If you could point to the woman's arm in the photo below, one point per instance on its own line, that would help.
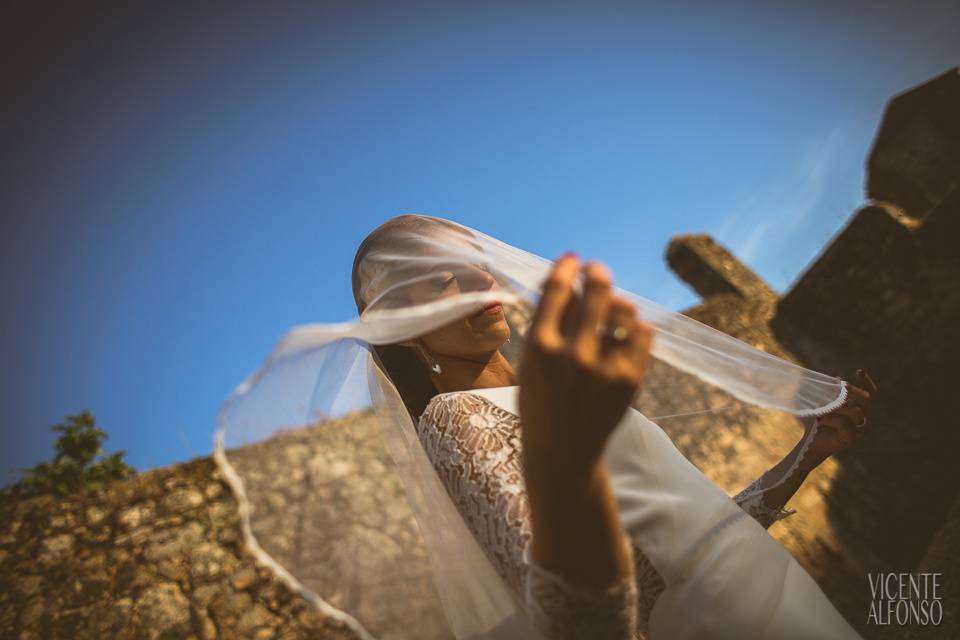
(765, 504)
(574, 389)
(575, 521)
(764, 499)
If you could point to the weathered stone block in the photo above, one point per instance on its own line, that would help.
(711, 270)
(915, 159)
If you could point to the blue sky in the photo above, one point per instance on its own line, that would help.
(181, 187)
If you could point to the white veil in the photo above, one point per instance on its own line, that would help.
(336, 494)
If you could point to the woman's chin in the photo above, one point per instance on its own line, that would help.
(488, 323)
(493, 327)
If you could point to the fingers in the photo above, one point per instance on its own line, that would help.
(592, 310)
(557, 291)
(629, 359)
(867, 386)
(564, 318)
(848, 423)
(621, 313)
(640, 348)
(859, 397)
(870, 386)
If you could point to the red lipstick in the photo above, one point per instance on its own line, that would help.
(491, 309)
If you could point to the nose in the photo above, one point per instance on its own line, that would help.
(481, 280)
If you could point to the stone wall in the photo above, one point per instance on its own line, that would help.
(158, 556)
(161, 556)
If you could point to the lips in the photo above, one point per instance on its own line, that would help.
(491, 309)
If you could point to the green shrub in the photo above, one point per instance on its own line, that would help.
(79, 462)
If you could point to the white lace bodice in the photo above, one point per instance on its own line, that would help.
(474, 446)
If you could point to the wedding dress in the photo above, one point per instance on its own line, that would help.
(473, 439)
(704, 567)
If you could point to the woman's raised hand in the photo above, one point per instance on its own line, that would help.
(575, 385)
(585, 360)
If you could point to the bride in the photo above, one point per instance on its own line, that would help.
(552, 507)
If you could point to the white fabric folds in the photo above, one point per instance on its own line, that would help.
(338, 497)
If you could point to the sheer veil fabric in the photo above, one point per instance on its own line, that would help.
(318, 509)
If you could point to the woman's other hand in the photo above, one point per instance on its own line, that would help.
(576, 384)
(842, 428)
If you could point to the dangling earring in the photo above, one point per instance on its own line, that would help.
(434, 365)
(508, 339)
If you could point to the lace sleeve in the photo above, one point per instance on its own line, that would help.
(474, 446)
(561, 608)
(751, 501)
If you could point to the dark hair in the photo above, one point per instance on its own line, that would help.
(408, 374)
